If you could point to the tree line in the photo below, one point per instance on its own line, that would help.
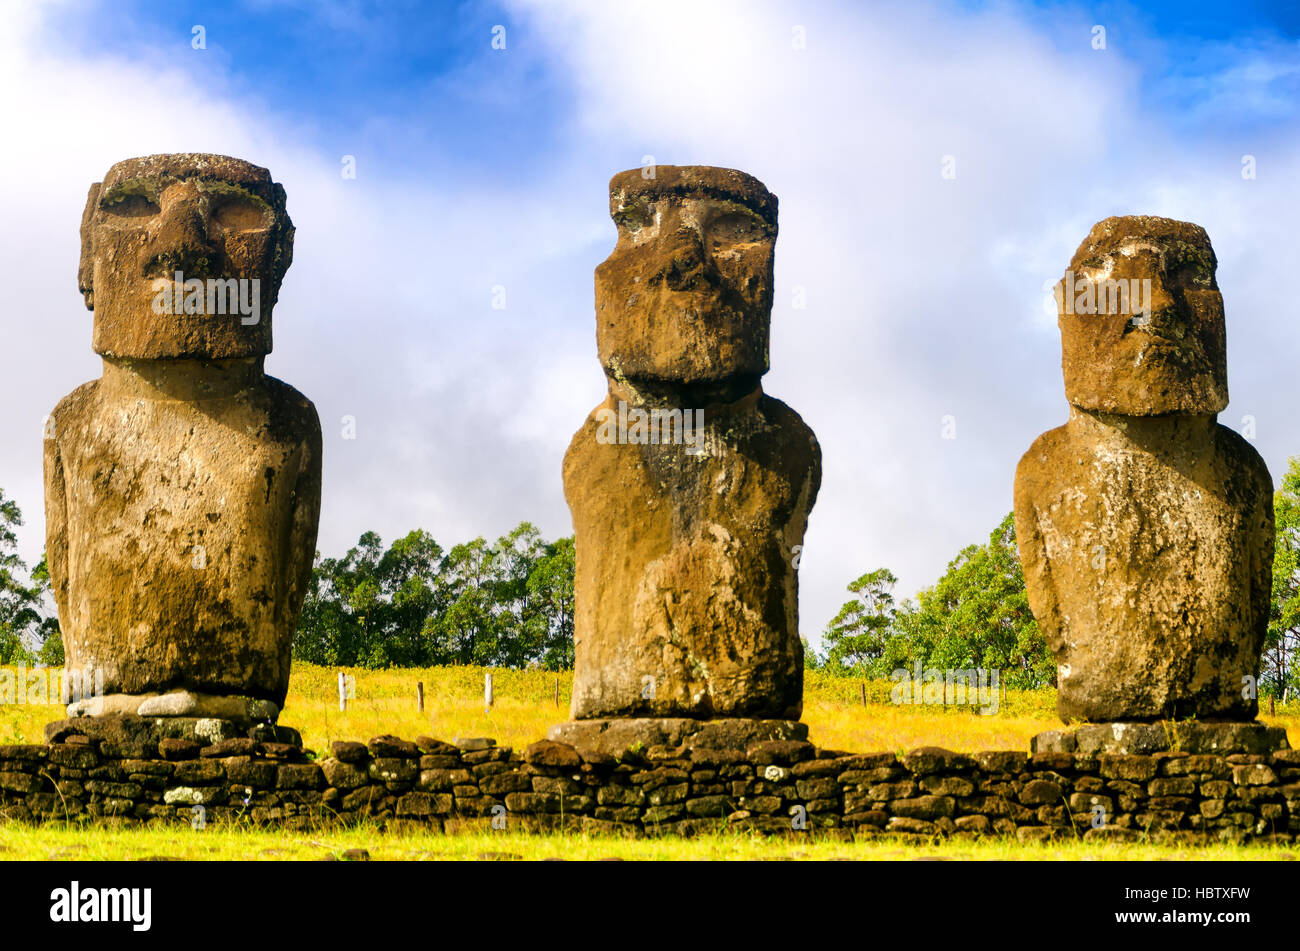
(504, 604)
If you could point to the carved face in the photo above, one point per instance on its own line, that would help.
(1141, 318)
(219, 222)
(686, 294)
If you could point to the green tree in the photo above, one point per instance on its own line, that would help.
(1278, 669)
(406, 590)
(977, 615)
(812, 660)
(20, 603)
(857, 636)
(336, 624)
(505, 604)
(519, 614)
(468, 630)
(550, 627)
(48, 631)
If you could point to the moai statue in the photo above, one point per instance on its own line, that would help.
(182, 488)
(689, 486)
(1145, 527)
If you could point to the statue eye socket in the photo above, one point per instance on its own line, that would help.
(633, 217)
(240, 213)
(733, 228)
(131, 206)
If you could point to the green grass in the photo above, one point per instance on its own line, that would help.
(230, 843)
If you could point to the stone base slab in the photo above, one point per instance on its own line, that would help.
(178, 703)
(617, 735)
(1186, 736)
(131, 735)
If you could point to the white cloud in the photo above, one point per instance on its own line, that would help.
(924, 295)
(384, 316)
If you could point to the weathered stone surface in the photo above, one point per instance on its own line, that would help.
(107, 705)
(343, 775)
(428, 744)
(183, 703)
(19, 782)
(176, 749)
(1163, 736)
(391, 769)
(923, 807)
(1040, 792)
(275, 733)
(1145, 528)
(1001, 761)
(235, 746)
(126, 735)
(199, 772)
(935, 759)
(1053, 741)
(299, 776)
(616, 736)
(350, 752)
(690, 609)
(193, 795)
(549, 753)
(1128, 767)
(389, 746)
(281, 751)
(183, 487)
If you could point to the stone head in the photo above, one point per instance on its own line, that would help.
(686, 294)
(219, 221)
(1141, 318)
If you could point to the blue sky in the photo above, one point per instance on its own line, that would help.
(480, 168)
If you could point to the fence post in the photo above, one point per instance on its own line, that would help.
(343, 692)
(557, 690)
(487, 692)
(864, 693)
(419, 694)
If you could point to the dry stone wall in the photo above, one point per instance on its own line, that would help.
(779, 786)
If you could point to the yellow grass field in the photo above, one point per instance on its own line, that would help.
(525, 706)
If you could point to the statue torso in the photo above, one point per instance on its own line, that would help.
(185, 513)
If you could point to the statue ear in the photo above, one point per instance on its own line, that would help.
(86, 267)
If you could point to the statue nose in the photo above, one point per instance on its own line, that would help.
(687, 262)
(182, 224)
(181, 241)
(1160, 313)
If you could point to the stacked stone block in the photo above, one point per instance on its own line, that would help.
(777, 787)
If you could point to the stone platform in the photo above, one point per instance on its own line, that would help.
(128, 735)
(1185, 736)
(617, 735)
(784, 787)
